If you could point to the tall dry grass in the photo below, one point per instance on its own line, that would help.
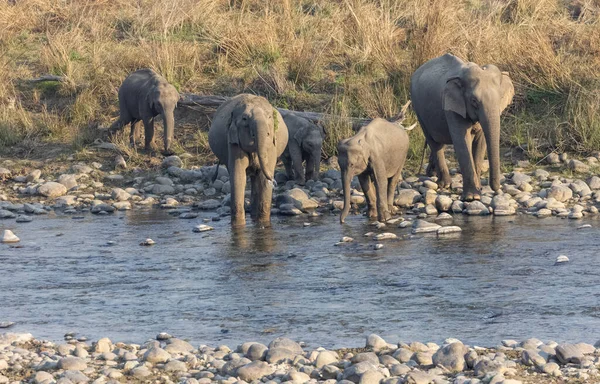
(349, 57)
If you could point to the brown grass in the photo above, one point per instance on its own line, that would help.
(349, 57)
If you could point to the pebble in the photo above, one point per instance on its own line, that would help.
(9, 237)
(148, 242)
(202, 228)
(385, 236)
(561, 259)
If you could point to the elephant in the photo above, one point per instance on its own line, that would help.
(306, 141)
(460, 103)
(248, 135)
(376, 153)
(144, 95)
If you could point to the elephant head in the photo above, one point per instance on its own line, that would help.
(480, 94)
(162, 100)
(253, 128)
(353, 158)
(310, 138)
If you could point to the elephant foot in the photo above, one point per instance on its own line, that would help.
(471, 196)
(383, 218)
(372, 214)
(444, 183)
(167, 152)
(300, 182)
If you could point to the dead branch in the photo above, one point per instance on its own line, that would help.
(61, 79)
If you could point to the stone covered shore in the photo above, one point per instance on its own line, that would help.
(564, 188)
(166, 359)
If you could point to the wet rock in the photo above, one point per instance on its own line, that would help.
(476, 208)
(52, 189)
(385, 236)
(256, 370)
(561, 259)
(448, 230)
(443, 203)
(422, 226)
(9, 237)
(203, 228)
(5, 214)
(156, 355)
(457, 206)
(148, 242)
(209, 204)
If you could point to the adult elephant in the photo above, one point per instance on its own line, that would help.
(306, 141)
(248, 135)
(460, 103)
(144, 95)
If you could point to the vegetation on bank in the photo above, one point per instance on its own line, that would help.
(345, 57)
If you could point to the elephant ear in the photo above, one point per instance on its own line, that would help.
(453, 99)
(153, 99)
(300, 133)
(507, 91)
(233, 136)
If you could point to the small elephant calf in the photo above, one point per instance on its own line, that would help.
(305, 143)
(144, 95)
(376, 154)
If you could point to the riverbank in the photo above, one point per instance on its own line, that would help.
(103, 183)
(166, 359)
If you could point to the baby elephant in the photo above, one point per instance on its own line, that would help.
(376, 154)
(144, 95)
(306, 140)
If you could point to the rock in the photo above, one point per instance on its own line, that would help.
(485, 366)
(257, 351)
(161, 189)
(172, 161)
(256, 370)
(119, 194)
(279, 355)
(551, 369)
(141, 372)
(418, 377)
(578, 166)
(375, 341)
(68, 180)
(422, 226)
(457, 206)
(103, 345)
(443, 203)
(477, 208)
(561, 259)
(354, 372)
(42, 377)
(176, 366)
(119, 163)
(407, 198)
(209, 204)
(72, 364)
(451, 357)
(385, 236)
(326, 358)
(156, 355)
(33, 176)
(531, 357)
(518, 178)
(73, 377)
(560, 193)
(52, 189)
(553, 158)
(9, 237)
(202, 228)
(569, 353)
(371, 377)
(448, 230)
(178, 346)
(6, 214)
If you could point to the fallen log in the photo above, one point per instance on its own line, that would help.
(60, 79)
(212, 101)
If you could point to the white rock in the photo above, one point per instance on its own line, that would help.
(9, 237)
(449, 229)
(202, 228)
(385, 236)
(561, 259)
(148, 242)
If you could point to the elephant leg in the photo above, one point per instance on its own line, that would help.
(479, 148)
(392, 184)
(296, 155)
(463, 142)
(367, 188)
(431, 171)
(134, 134)
(438, 158)
(264, 198)
(237, 165)
(287, 163)
(381, 188)
(149, 133)
(310, 169)
(254, 192)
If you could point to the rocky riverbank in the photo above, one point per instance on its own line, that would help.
(564, 188)
(166, 359)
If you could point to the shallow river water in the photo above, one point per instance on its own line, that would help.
(496, 280)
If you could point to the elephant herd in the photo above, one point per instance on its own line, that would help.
(456, 103)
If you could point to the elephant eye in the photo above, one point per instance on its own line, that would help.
(474, 103)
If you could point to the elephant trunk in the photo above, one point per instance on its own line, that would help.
(346, 178)
(264, 146)
(169, 123)
(491, 129)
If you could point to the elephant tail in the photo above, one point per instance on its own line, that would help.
(422, 159)
(217, 171)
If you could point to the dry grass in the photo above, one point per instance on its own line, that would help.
(348, 57)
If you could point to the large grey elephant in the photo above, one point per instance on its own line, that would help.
(376, 154)
(305, 143)
(248, 135)
(460, 103)
(144, 95)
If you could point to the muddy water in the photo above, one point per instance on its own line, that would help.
(494, 281)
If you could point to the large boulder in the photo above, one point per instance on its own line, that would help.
(52, 189)
(451, 357)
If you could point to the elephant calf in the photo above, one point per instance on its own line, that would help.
(248, 135)
(144, 95)
(376, 154)
(306, 141)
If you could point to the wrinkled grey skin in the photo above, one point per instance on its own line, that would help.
(144, 95)
(248, 135)
(376, 154)
(305, 143)
(460, 103)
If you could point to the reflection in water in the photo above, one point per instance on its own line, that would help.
(495, 280)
